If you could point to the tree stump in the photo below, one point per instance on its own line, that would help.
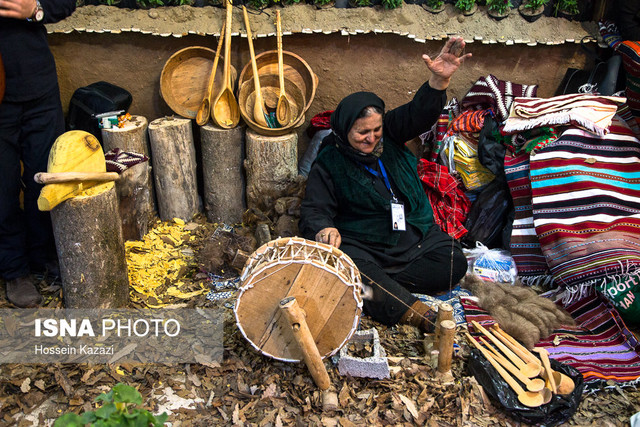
(222, 156)
(271, 165)
(90, 248)
(174, 167)
(135, 185)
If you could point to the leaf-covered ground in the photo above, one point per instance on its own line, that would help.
(248, 388)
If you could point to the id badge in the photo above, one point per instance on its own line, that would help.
(397, 217)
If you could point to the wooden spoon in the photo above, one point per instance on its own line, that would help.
(559, 382)
(58, 177)
(258, 104)
(527, 398)
(529, 370)
(226, 112)
(534, 385)
(204, 112)
(283, 109)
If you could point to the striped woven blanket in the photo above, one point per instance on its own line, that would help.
(524, 245)
(600, 347)
(590, 112)
(586, 204)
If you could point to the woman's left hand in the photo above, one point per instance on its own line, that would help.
(446, 63)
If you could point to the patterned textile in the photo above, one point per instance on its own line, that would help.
(586, 204)
(440, 131)
(610, 33)
(452, 298)
(461, 152)
(630, 53)
(319, 121)
(590, 112)
(450, 204)
(600, 346)
(536, 142)
(624, 112)
(490, 92)
(468, 121)
(524, 245)
(119, 161)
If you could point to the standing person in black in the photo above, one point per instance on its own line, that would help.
(31, 119)
(364, 196)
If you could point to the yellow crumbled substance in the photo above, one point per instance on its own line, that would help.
(157, 262)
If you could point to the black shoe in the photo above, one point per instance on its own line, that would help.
(23, 292)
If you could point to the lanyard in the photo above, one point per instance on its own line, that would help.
(385, 178)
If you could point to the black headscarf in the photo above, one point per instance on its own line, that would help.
(344, 116)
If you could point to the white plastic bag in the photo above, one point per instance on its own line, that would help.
(494, 265)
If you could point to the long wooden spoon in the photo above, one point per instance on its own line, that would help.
(534, 385)
(258, 104)
(226, 112)
(529, 370)
(204, 112)
(527, 398)
(283, 109)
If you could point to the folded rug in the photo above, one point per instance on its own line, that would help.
(590, 112)
(586, 204)
(524, 244)
(600, 346)
(491, 92)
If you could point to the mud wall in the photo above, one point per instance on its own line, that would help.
(387, 64)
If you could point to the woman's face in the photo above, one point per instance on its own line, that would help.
(365, 133)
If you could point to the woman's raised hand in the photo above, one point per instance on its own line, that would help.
(446, 63)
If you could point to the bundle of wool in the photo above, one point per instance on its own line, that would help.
(519, 310)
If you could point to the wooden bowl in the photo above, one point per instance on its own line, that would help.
(270, 88)
(295, 68)
(184, 78)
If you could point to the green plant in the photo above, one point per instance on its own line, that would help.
(147, 4)
(258, 4)
(115, 412)
(361, 3)
(567, 6)
(391, 4)
(434, 4)
(322, 2)
(465, 5)
(499, 6)
(535, 4)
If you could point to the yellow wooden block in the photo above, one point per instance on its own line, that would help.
(73, 151)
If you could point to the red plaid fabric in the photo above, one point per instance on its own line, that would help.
(450, 204)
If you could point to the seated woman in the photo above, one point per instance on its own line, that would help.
(364, 196)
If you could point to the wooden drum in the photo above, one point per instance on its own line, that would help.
(325, 282)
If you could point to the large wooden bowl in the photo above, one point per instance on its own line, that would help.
(270, 88)
(184, 78)
(295, 68)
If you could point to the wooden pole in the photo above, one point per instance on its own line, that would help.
(135, 186)
(90, 248)
(224, 183)
(174, 164)
(445, 312)
(271, 165)
(296, 317)
(445, 346)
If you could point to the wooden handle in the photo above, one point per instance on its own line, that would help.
(445, 312)
(303, 337)
(60, 177)
(544, 355)
(514, 345)
(254, 66)
(280, 60)
(445, 346)
(212, 77)
(515, 359)
(504, 374)
(227, 46)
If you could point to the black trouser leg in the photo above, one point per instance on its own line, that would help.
(27, 132)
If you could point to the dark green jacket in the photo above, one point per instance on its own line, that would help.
(363, 213)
